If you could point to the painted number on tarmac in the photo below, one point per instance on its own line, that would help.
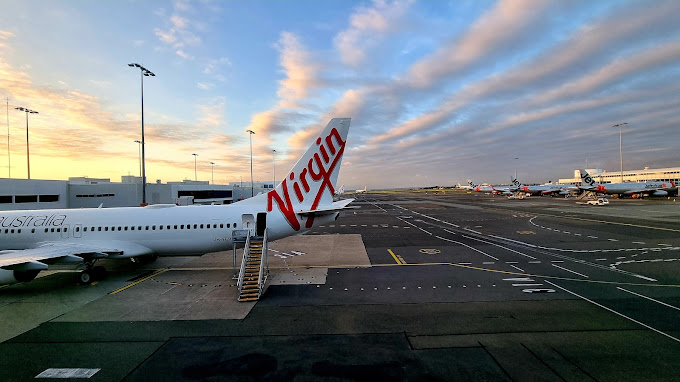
(526, 282)
(526, 232)
(429, 251)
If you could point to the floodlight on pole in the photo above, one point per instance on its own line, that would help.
(144, 72)
(9, 158)
(28, 156)
(620, 146)
(195, 173)
(212, 172)
(274, 168)
(252, 190)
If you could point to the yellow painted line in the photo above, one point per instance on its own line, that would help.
(395, 257)
(139, 281)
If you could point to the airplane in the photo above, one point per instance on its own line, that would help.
(503, 190)
(630, 188)
(33, 240)
(545, 189)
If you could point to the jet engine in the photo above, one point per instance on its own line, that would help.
(660, 193)
(13, 277)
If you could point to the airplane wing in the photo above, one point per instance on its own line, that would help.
(49, 253)
(334, 207)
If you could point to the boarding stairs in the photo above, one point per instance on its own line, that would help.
(587, 195)
(254, 268)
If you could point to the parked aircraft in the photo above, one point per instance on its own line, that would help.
(629, 188)
(32, 240)
(504, 190)
(545, 189)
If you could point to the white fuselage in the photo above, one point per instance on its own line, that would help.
(136, 231)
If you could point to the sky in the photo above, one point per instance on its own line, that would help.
(439, 92)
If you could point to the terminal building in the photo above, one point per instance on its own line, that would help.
(85, 192)
(645, 175)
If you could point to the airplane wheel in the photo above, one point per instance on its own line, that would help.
(86, 276)
(99, 272)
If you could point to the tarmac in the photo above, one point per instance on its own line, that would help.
(429, 286)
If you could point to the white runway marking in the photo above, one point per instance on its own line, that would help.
(649, 298)
(475, 249)
(615, 312)
(569, 270)
(520, 269)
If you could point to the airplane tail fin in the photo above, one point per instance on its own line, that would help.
(311, 182)
(516, 183)
(587, 180)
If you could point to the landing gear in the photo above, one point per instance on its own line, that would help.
(92, 273)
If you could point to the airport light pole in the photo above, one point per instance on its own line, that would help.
(274, 168)
(620, 146)
(252, 188)
(195, 173)
(28, 157)
(516, 168)
(139, 157)
(212, 172)
(9, 160)
(144, 73)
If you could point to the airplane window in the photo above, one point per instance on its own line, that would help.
(84, 229)
(139, 228)
(106, 228)
(201, 226)
(113, 228)
(19, 231)
(59, 230)
(160, 227)
(125, 228)
(221, 225)
(52, 230)
(12, 231)
(175, 226)
(234, 225)
(147, 228)
(65, 229)
(77, 229)
(132, 228)
(120, 228)
(167, 227)
(99, 228)
(153, 227)
(195, 226)
(33, 230)
(181, 226)
(228, 225)
(188, 226)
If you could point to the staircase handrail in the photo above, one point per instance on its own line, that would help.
(264, 264)
(244, 260)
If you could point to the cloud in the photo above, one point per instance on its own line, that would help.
(300, 69)
(368, 25)
(497, 31)
(205, 85)
(214, 64)
(179, 31)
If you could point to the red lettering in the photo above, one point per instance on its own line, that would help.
(298, 193)
(321, 174)
(303, 179)
(286, 207)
